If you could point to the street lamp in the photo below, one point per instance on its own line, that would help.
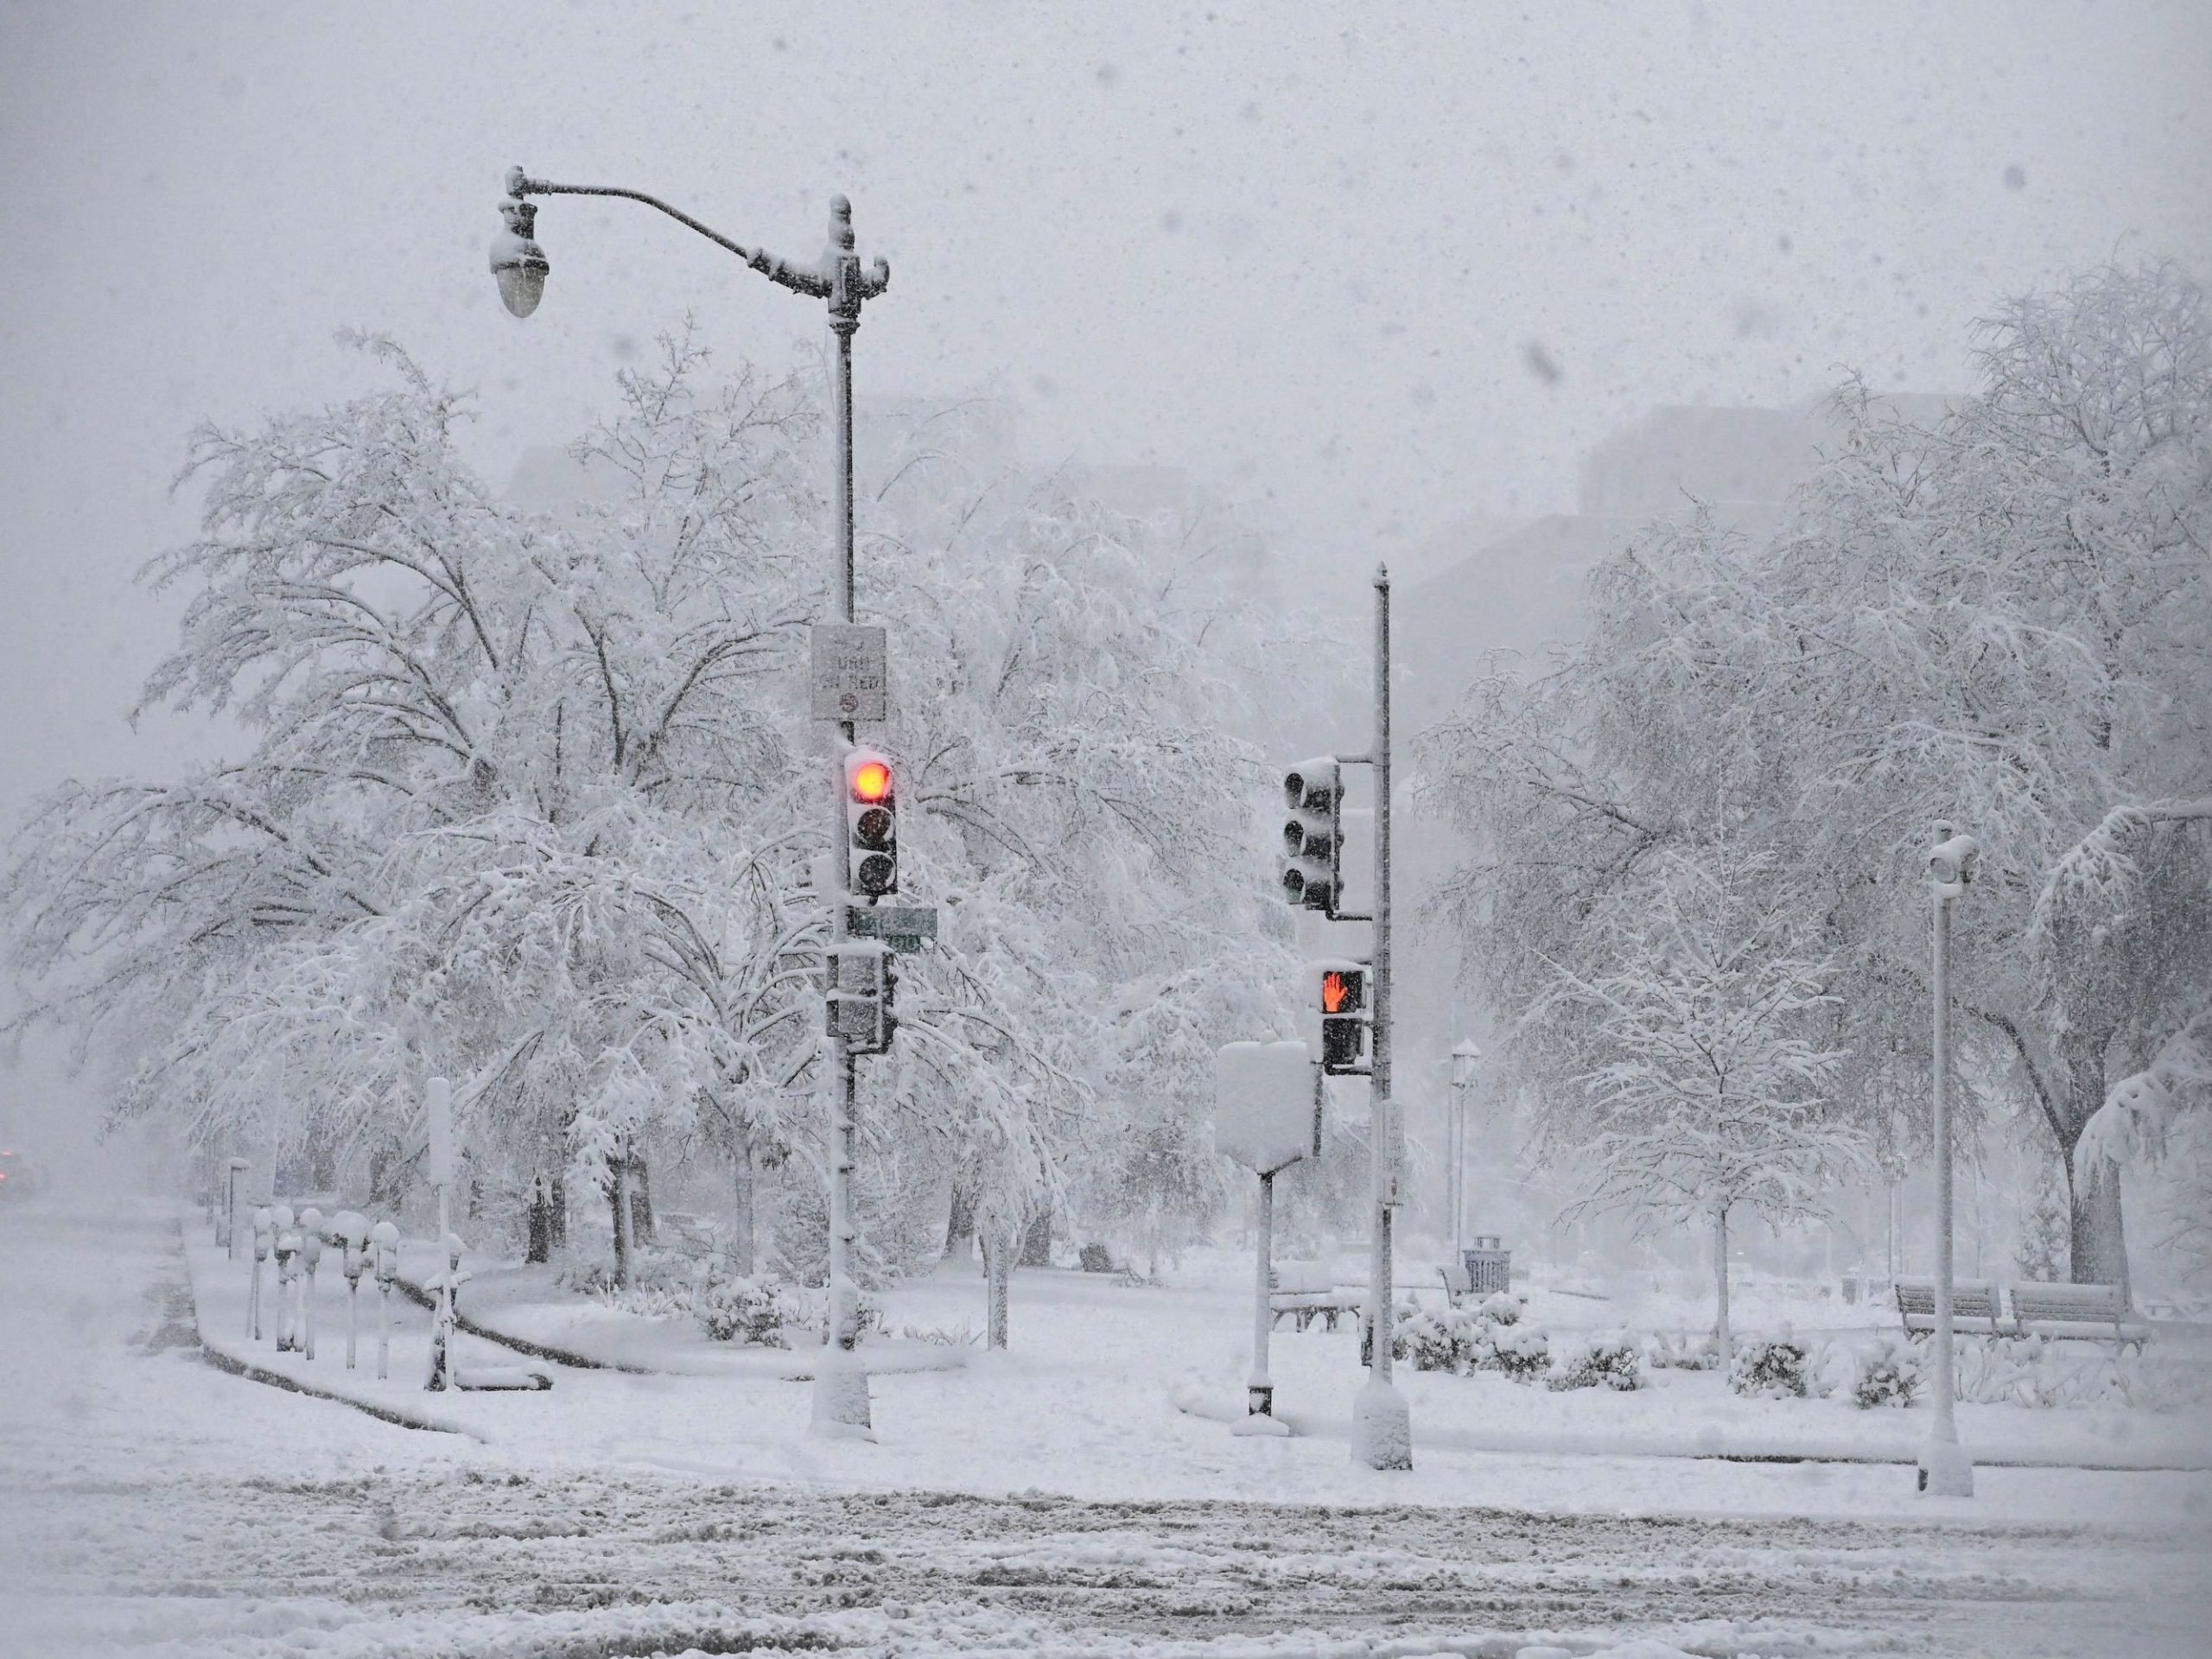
(1945, 1467)
(841, 1401)
(1463, 1059)
(518, 262)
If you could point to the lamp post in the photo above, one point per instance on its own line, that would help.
(1946, 1470)
(1383, 1435)
(840, 1398)
(1463, 1057)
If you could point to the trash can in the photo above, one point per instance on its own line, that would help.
(1490, 1269)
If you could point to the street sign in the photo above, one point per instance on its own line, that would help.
(1389, 1170)
(848, 671)
(1266, 1107)
(902, 927)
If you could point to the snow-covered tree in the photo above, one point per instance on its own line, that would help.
(1704, 1087)
(2001, 621)
(525, 797)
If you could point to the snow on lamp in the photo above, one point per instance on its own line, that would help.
(517, 263)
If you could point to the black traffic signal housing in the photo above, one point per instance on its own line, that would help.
(871, 824)
(861, 996)
(1312, 836)
(1340, 998)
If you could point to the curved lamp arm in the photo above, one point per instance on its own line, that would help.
(800, 279)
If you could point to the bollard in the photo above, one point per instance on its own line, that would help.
(384, 1241)
(264, 1237)
(354, 1233)
(310, 1254)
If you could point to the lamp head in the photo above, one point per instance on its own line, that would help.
(1951, 864)
(518, 262)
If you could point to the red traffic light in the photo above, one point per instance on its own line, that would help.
(1342, 993)
(871, 781)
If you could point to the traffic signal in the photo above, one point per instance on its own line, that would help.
(871, 824)
(863, 984)
(1313, 837)
(1340, 995)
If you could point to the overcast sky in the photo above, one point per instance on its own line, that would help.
(1367, 276)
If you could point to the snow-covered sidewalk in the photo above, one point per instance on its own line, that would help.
(1053, 1501)
(1113, 1391)
(525, 1305)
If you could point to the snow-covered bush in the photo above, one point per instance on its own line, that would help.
(650, 1302)
(1502, 1307)
(1485, 1336)
(1888, 1374)
(809, 1310)
(1432, 1341)
(663, 1271)
(1519, 1351)
(963, 1335)
(1612, 1360)
(1096, 1258)
(1769, 1371)
(743, 1310)
(1664, 1350)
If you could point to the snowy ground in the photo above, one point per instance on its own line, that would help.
(1053, 1502)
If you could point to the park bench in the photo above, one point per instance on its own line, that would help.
(1488, 1279)
(1308, 1291)
(2086, 1312)
(1975, 1311)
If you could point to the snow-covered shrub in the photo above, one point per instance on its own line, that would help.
(1519, 1351)
(2036, 1372)
(743, 1310)
(1664, 1350)
(650, 1270)
(651, 1301)
(1502, 1307)
(810, 1309)
(1613, 1361)
(1485, 1336)
(1828, 1368)
(963, 1335)
(1096, 1258)
(1432, 1341)
(1888, 1374)
(1769, 1371)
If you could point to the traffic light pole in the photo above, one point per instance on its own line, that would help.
(841, 1387)
(841, 1396)
(1381, 1425)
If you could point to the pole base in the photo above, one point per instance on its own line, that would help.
(1381, 1427)
(1946, 1471)
(840, 1403)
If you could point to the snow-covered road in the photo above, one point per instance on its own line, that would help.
(149, 1504)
